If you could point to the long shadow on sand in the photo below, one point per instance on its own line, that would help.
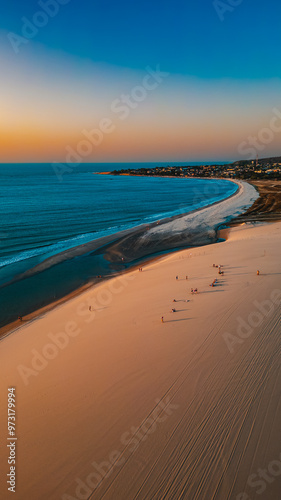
(180, 310)
(174, 320)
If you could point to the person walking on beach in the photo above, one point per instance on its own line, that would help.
(177, 277)
(186, 277)
(258, 273)
(162, 319)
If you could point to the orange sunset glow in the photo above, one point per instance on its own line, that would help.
(48, 104)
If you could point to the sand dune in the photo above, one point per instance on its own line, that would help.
(113, 404)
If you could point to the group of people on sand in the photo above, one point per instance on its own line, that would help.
(173, 310)
(221, 272)
(214, 283)
(219, 268)
(195, 290)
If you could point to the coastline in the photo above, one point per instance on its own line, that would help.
(115, 364)
(267, 207)
(111, 239)
(125, 250)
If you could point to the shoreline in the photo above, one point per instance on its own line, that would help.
(105, 241)
(267, 207)
(115, 364)
(114, 248)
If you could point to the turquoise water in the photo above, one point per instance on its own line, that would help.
(42, 216)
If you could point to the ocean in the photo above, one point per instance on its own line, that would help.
(42, 215)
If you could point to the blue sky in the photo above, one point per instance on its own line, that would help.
(185, 37)
(224, 77)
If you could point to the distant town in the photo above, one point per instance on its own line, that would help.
(258, 169)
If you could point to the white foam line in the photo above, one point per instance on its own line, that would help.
(213, 215)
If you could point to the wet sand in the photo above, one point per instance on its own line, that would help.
(267, 208)
(114, 254)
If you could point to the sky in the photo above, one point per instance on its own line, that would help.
(106, 81)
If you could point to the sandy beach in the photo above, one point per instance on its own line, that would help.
(112, 403)
(140, 237)
(103, 258)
